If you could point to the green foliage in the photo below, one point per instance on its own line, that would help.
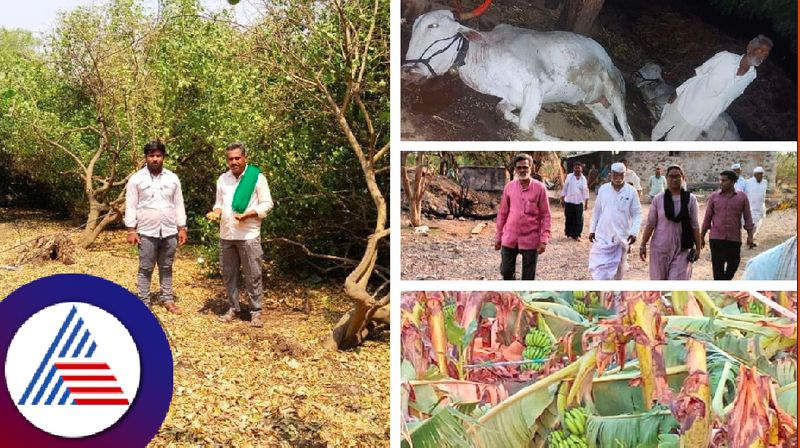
(630, 430)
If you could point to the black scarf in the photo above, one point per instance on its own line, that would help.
(687, 236)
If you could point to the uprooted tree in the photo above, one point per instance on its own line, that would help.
(338, 55)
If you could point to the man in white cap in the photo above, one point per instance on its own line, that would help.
(741, 182)
(757, 194)
(697, 103)
(616, 219)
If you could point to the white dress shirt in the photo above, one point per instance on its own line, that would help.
(260, 202)
(154, 204)
(575, 191)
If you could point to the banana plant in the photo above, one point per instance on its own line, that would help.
(680, 369)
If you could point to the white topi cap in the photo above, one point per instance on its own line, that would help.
(758, 169)
(736, 166)
(618, 167)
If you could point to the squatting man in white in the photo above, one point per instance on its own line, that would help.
(697, 103)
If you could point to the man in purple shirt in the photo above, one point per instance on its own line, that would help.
(523, 221)
(725, 211)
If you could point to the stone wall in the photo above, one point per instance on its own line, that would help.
(702, 168)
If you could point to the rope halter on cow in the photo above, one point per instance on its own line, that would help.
(639, 77)
(461, 55)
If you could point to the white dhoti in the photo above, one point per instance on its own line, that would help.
(758, 219)
(674, 126)
(616, 217)
(608, 261)
(757, 195)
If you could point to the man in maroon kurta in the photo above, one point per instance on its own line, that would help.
(726, 209)
(523, 221)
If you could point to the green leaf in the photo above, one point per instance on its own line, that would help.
(630, 430)
(787, 399)
(444, 429)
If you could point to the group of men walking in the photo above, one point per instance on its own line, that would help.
(672, 227)
(156, 221)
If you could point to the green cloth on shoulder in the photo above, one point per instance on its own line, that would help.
(247, 184)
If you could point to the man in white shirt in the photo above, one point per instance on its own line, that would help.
(632, 178)
(657, 184)
(616, 219)
(741, 182)
(698, 102)
(575, 198)
(240, 231)
(156, 220)
(757, 194)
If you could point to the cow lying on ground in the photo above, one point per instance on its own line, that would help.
(656, 93)
(525, 68)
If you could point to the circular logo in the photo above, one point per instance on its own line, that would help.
(86, 364)
(72, 369)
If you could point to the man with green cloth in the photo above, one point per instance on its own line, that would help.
(243, 200)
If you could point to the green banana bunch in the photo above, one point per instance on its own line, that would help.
(579, 306)
(557, 439)
(537, 338)
(575, 421)
(756, 307)
(560, 439)
(537, 347)
(578, 295)
(449, 312)
(573, 431)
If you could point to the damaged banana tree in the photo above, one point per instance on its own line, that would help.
(679, 369)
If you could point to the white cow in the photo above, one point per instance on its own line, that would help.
(656, 93)
(525, 68)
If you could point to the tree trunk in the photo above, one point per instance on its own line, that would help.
(578, 16)
(93, 227)
(414, 192)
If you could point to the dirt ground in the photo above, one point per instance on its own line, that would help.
(633, 33)
(451, 252)
(236, 385)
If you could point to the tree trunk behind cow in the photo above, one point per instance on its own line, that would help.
(578, 16)
(415, 191)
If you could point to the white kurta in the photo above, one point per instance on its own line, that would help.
(703, 97)
(632, 178)
(712, 89)
(616, 216)
(757, 195)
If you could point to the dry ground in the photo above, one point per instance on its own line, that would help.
(234, 385)
(450, 252)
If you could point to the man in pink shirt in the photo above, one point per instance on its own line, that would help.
(523, 221)
(726, 209)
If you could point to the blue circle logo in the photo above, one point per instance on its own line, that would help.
(86, 364)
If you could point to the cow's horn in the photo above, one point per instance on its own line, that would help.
(475, 12)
